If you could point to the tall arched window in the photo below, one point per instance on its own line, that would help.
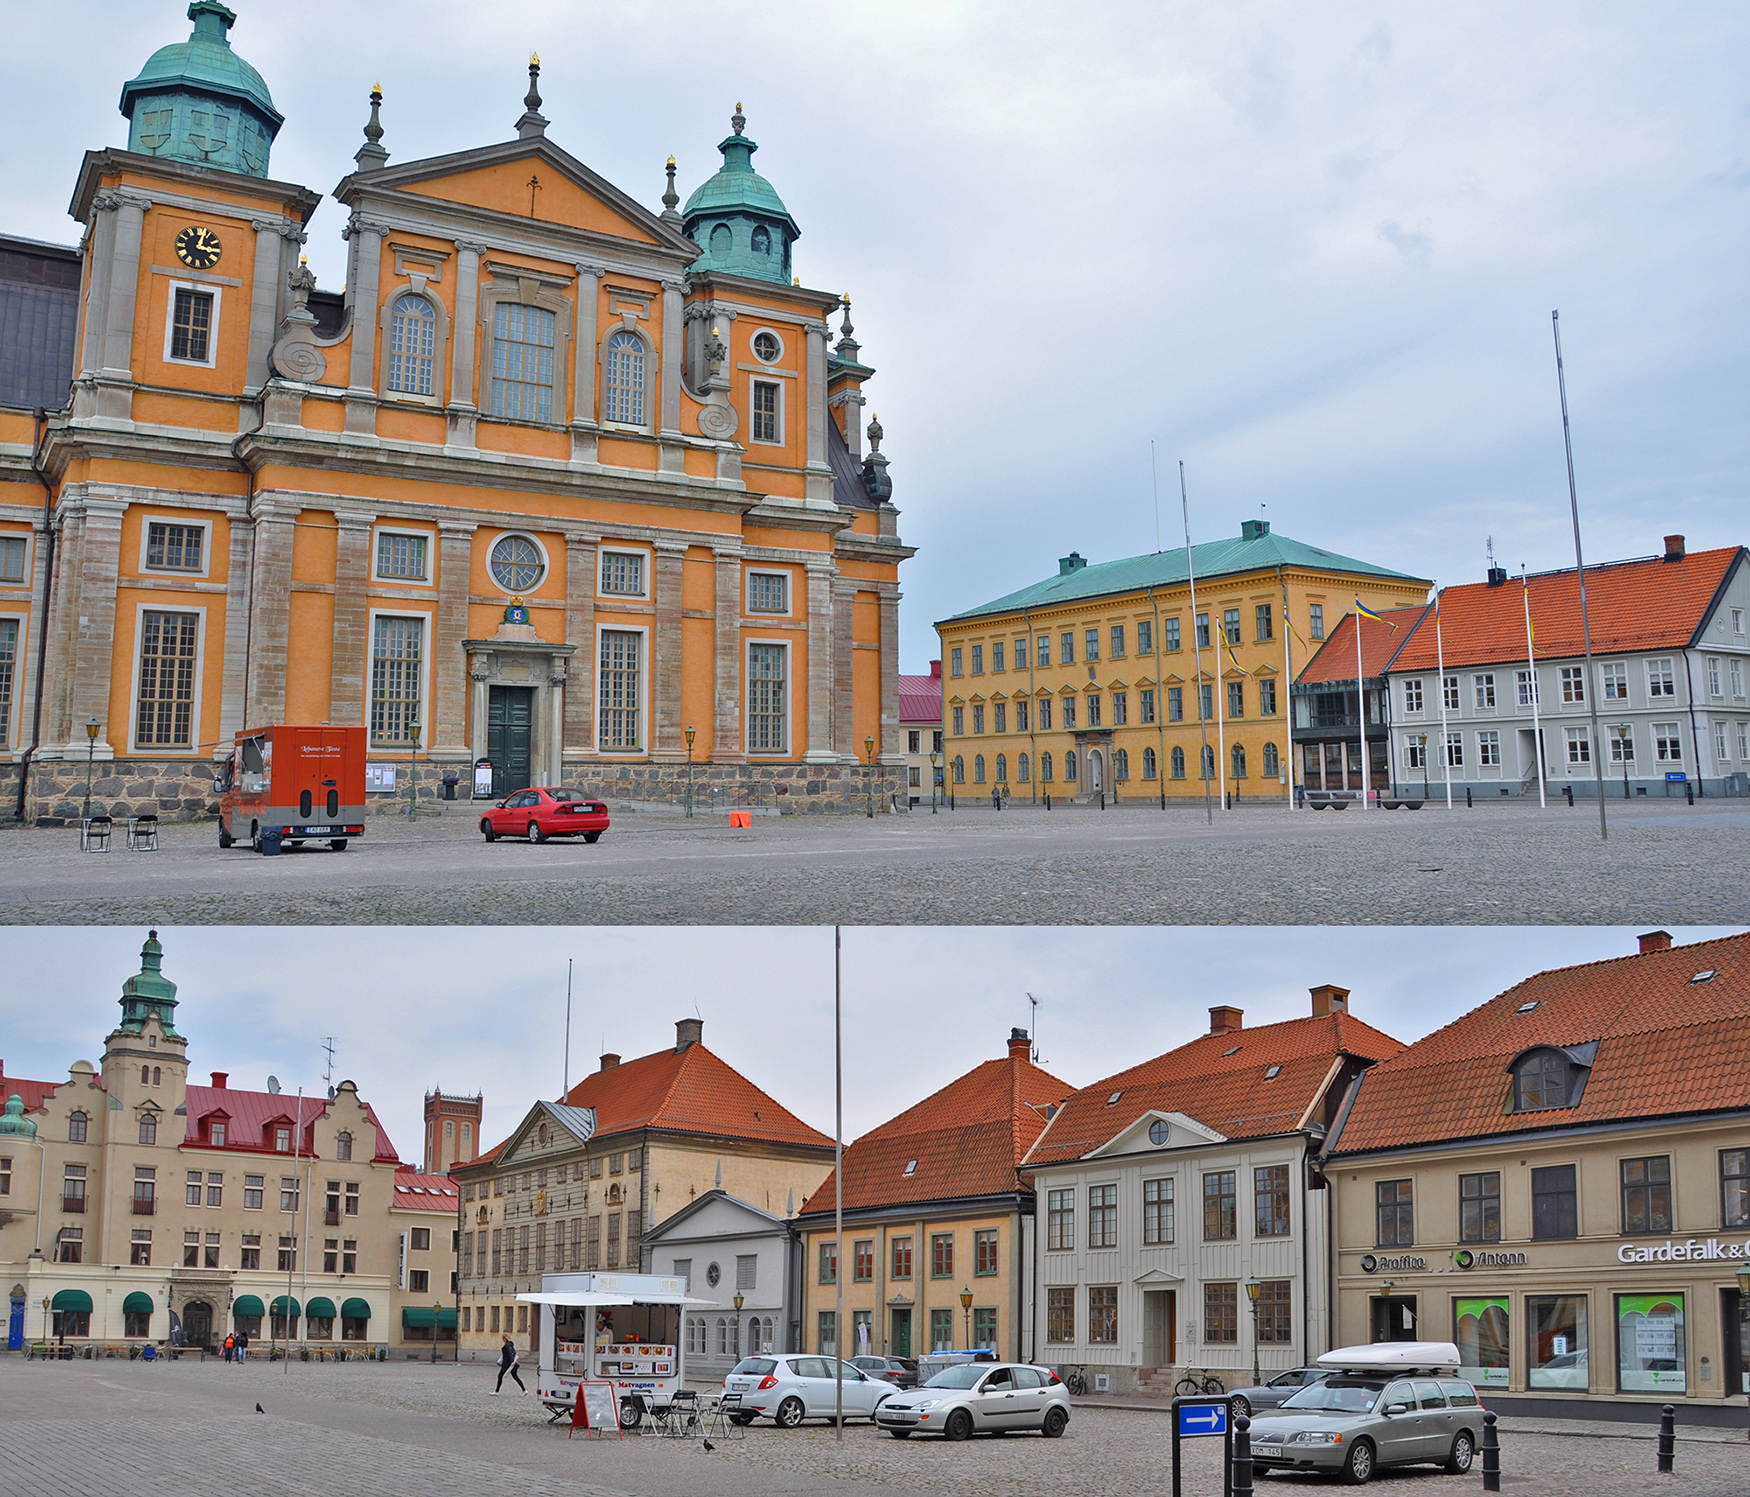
(623, 390)
(157, 1072)
(1148, 764)
(1023, 770)
(978, 769)
(145, 1075)
(959, 770)
(1045, 766)
(1239, 758)
(523, 340)
(1002, 769)
(412, 339)
(148, 1128)
(1272, 763)
(76, 1127)
(1178, 763)
(1121, 764)
(343, 1146)
(1069, 764)
(722, 1337)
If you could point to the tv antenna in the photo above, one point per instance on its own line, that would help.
(1035, 1024)
(1491, 550)
(328, 1071)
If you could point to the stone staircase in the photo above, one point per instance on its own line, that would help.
(1156, 1382)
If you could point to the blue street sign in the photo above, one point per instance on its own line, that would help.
(1202, 1419)
(1675, 774)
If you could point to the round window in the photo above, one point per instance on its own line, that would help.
(766, 347)
(1157, 1131)
(712, 1275)
(516, 564)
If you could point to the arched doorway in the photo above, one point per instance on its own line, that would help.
(197, 1324)
(1096, 771)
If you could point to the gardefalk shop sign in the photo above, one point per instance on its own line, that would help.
(1695, 1250)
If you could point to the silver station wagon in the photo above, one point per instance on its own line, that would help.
(1386, 1411)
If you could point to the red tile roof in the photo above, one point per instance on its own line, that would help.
(688, 1091)
(32, 1093)
(968, 1140)
(1381, 641)
(415, 1191)
(1666, 1044)
(1223, 1091)
(250, 1113)
(920, 699)
(1650, 604)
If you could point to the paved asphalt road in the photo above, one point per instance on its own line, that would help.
(364, 1430)
(1665, 863)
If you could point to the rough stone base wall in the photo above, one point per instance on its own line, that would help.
(788, 789)
(172, 789)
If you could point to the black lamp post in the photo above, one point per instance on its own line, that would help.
(412, 811)
(90, 751)
(1622, 736)
(966, 1310)
(691, 734)
(1424, 766)
(1252, 1289)
(752, 1350)
(935, 779)
(869, 776)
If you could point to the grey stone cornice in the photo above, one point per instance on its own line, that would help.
(195, 181)
(853, 547)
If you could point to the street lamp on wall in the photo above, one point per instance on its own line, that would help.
(1252, 1289)
(692, 732)
(935, 779)
(869, 775)
(1622, 734)
(90, 751)
(966, 1310)
(413, 810)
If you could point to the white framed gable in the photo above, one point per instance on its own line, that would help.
(1183, 1131)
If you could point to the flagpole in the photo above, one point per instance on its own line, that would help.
(1440, 659)
(1580, 571)
(1196, 646)
(1531, 671)
(1361, 705)
(838, 1208)
(1287, 705)
(1220, 691)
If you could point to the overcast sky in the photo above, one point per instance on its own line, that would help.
(484, 1009)
(1311, 250)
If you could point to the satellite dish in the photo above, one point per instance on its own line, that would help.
(273, 1084)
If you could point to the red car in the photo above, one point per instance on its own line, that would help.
(540, 814)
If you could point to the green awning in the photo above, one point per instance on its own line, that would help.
(137, 1304)
(320, 1308)
(418, 1318)
(279, 1306)
(247, 1304)
(78, 1299)
(356, 1309)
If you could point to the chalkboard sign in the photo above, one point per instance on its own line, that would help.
(597, 1407)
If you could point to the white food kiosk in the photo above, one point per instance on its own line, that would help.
(627, 1329)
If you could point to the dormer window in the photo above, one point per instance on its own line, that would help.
(282, 1140)
(1551, 1076)
(216, 1133)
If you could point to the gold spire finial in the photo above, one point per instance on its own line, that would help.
(671, 160)
(376, 88)
(535, 58)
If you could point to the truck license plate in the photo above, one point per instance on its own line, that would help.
(320, 831)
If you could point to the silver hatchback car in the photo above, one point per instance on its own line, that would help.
(978, 1397)
(1354, 1422)
(793, 1388)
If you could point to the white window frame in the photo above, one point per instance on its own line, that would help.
(1660, 739)
(1526, 689)
(1486, 739)
(1657, 671)
(649, 555)
(1722, 742)
(781, 440)
(645, 667)
(1737, 673)
(1579, 745)
(149, 518)
(1618, 743)
(204, 288)
(789, 608)
(1573, 681)
(1743, 741)
(1737, 623)
(9, 728)
(431, 543)
(747, 697)
(374, 750)
(652, 378)
(1481, 682)
(1414, 696)
(157, 750)
(534, 540)
(29, 538)
(1613, 674)
(1716, 679)
(777, 358)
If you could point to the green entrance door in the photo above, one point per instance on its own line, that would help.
(510, 716)
(900, 1340)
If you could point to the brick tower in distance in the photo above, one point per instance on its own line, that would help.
(452, 1131)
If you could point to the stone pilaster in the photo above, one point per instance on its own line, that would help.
(817, 477)
(479, 688)
(887, 736)
(270, 611)
(580, 579)
(235, 678)
(352, 618)
(264, 299)
(94, 650)
(449, 630)
(820, 662)
(124, 281)
(63, 619)
(583, 377)
(665, 697)
(361, 380)
(844, 692)
(100, 257)
(670, 450)
(727, 746)
(25, 679)
(464, 332)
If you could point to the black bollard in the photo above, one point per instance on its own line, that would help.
(1469, 805)
(1242, 1473)
(1491, 1455)
(1102, 800)
(1667, 1437)
(1570, 793)
(1689, 791)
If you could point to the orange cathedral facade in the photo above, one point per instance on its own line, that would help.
(558, 481)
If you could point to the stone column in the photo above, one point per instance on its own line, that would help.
(820, 662)
(670, 453)
(844, 695)
(887, 735)
(352, 618)
(64, 609)
(464, 331)
(556, 680)
(818, 475)
(479, 672)
(35, 631)
(583, 375)
(580, 564)
(449, 629)
(94, 650)
(361, 382)
(727, 745)
(124, 281)
(264, 298)
(665, 704)
(237, 591)
(270, 609)
(100, 254)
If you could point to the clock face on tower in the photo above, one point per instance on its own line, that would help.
(199, 248)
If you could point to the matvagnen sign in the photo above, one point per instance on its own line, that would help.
(1695, 1250)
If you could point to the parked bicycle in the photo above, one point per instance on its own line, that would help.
(1076, 1383)
(1191, 1385)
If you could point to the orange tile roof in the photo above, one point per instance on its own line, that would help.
(688, 1091)
(968, 1140)
(1666, 1044)
(1226, 1092)
(1651, 604)
(1381, 641)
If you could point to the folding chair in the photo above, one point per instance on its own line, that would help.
(685, 1413)
(718, 1422)
(143, 833)
(94, 833)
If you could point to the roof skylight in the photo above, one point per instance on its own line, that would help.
(911, 1168)
(1526, 1008)
(1706, 976)
(1272, 1073)
(1113, 1098)
(1234, 1051)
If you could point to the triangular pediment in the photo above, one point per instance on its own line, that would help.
(1181, 1132)
(1118, 685)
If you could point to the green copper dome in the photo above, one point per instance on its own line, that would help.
(738, 220)
(198, 101)
(13, 1122)
(149, 993)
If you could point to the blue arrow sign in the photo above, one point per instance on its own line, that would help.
(1202, 1419)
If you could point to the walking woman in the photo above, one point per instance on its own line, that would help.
(507, 1362)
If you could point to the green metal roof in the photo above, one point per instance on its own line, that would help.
(1256, 549)
(71, 1299)
(247, 1304)
(149, 993)
(724, 214)
(320, 1308)
(13, 1122)
(137, 1303)
(356, 1309)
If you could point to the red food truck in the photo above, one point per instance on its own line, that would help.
(289, 785)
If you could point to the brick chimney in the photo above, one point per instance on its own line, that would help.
(1020, 1046)
(688, 1032)
(219, 1080)
(1673, 548)
(1224, 1019)
(1655, 940)
(935, 670)
(1328, 999)
(609, 1062)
